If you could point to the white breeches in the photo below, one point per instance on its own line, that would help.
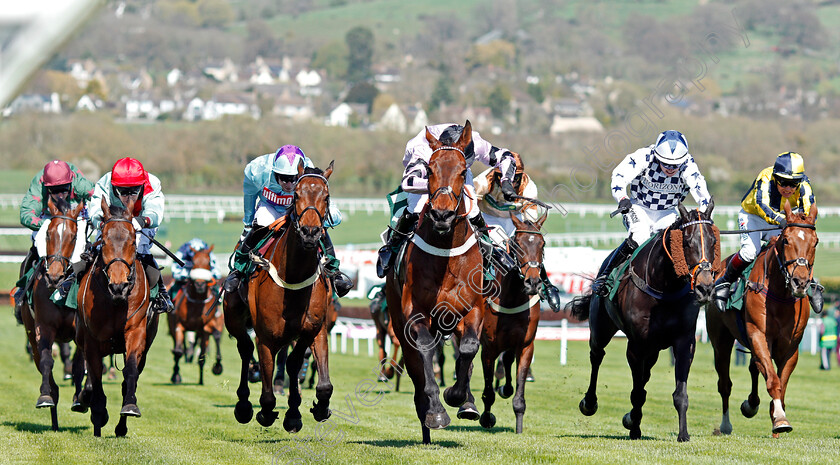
(642, 222)
(751, 242)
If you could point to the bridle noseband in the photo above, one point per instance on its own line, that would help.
(799, 261)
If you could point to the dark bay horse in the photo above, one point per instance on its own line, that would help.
(114, 315)
(287, 300)
(195, 310)
(438, 290)
(511, 318)
(775, 315)
(656, 306)
(48, 322)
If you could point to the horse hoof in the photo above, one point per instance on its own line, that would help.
(382, 378)
(292, 425)
(254, 376)
(584, 409)
(487, 420)
(267, 418)
(452, 399)
(782, 426)
(627, 422)
(320, 414)
(747, 410)
(130, 410)
(468, 411)
(44, 401)
(79, 407)
(217, 369)
(437, 420)
(176, 378)
(505, 391)
(121, 430)
(97, 432)
(243, 411)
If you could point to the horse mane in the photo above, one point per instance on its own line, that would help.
(62, 204)
(313, 170)
(118, 211)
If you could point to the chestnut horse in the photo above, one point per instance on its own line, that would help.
(287, 303)
(48, 322)
(656, 306)
(114, 315)
(774, 320)
(195, 310)
(511, 318)
(438, 290)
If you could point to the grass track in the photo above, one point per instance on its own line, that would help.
(194, 424)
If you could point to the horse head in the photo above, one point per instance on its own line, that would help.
(61, 240)
(796, 248)
(695, 249)
(311, 204)
(118, 249)
(447, 176)
(201, 274)
(527, 246)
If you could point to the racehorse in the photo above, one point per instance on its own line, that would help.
(195, 310)
(656, 306)
(438, 289)
(776, 311)
(114, 315)
(287, 303)
(48, 322)
(511, 318)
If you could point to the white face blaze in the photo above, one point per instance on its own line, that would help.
(801, 235)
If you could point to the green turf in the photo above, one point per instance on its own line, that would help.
(194, 424)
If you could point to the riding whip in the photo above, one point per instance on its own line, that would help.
(165, 250)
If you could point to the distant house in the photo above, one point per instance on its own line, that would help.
(230, 105)
(173, 77)
(82, 71)
(309, 82)
(34, 103)
(417, 118)
(294, 107)
(393, 120)
(141, 107)
(89, 103)
(345, 114)
(224, 71)
(194, 110)
(562, 124)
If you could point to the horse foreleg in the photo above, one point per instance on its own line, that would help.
(177, 350)
(640, 367)
(98, 411)
(764, 362)
(522, 365)
(506, 390)
(777, 407)
(81, 402)
(488, 396)
(205, 344)
(324, 390)
(441, 359)
(42, 354)
(292, 420)
(750, 406)
(459, 394)
(266, 416)
(683, 356)
(217, 367)
(723, 355)
(65, 352)
(601, 331)
(243, 410)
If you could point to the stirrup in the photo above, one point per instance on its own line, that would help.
(599, 286)
(815, 296)
(721, 295)
(552, 295)
(384, 264)
(342, 283)
(233, 281)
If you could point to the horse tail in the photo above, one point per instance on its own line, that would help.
(579, 306)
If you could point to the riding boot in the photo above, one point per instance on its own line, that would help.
(24, 285)
(20, 294)
(162, 303)
(549, 291)
(405, 225)
(241, 258)
(723, 286)
(618, 256)
(341, 282)
(491, 253)
(815, 296)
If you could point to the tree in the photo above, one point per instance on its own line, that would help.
(215, 13)
(499, 100)
(332, 58)
(362, 93)
(441, 93)
(359, 42)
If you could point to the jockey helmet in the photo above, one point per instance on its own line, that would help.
(128, 177)
(287, 159)
(789, 166)
(57, 173)
(671, 148)
(450, 136)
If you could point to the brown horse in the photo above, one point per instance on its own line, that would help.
(776, 311)
(438, 290)
(114, 315)
(287, 303)
(656, 306)
(511, 318)
(48, 322)
(195, 310)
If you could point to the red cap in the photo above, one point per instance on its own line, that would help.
(57, 173)
(128, 172)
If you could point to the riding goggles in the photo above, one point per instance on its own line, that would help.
(668, 167)
(782, 182)
(128, 191)
(59, 189)
(285, 178)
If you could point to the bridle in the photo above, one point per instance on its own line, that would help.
(797, 262)
(131, 266)
(704, 264)
(295, 217)
(524, 267)
(447, 190)
(50, 259)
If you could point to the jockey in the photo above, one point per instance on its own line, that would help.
(415, 183)
(182, 273)
(496, 212)
(126, 182)
(763, 207)
(60, 181)
(660, 176)
(269, 187)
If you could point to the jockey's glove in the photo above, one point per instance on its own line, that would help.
(507, 191)
(138, 225)
(782, 221)
(624, 205)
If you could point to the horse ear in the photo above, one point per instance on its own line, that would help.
(210, 249)
(329, 170)
(683, 211)
(52, 207)
(710, 207)
(300, 168)
(466, 135)
(106, 210)
(130, 208)
(75, 212)
(541, 220)
(812, 214)
(434, 143)
(516, 221)
(788, 211)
